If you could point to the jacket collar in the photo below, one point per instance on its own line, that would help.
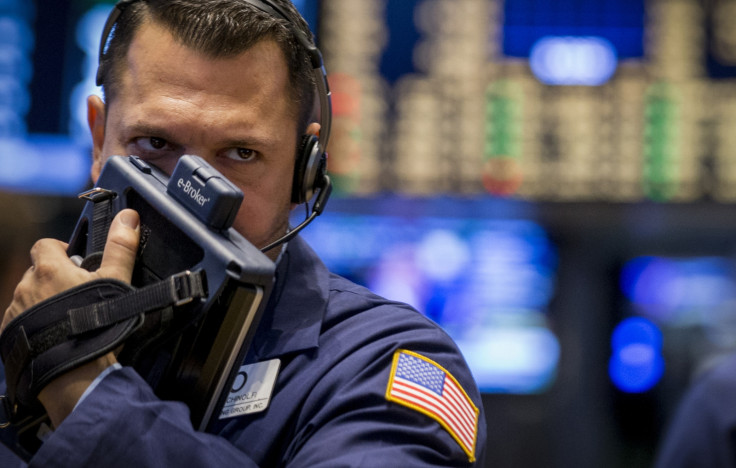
(293, 317)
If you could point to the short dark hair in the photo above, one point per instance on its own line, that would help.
(219, 29)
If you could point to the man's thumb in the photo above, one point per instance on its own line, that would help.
(118, 259)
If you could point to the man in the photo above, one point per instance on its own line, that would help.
(227, 81)
(702, 432)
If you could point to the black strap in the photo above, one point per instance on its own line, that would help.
(176, 290)
(101, 215)
(80, 324)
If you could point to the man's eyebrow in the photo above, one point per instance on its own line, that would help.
(247, 143)
(147, 129)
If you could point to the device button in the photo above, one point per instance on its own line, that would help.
(140, 164)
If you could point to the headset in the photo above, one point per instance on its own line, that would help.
(310, 170)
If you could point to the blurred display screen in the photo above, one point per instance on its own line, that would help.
(573, 42)
(678, 309)
(487, 283)
(680, 292)
(620, 22)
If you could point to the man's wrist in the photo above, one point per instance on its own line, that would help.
(115, 366)
(61, 396)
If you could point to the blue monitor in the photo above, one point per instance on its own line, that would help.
(488, 283)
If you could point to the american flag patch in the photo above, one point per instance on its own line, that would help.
(423, 385)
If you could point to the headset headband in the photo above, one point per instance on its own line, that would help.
(315, 58)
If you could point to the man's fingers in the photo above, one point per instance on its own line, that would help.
(49, 274)
(118, 259)
(47, 255)
(52, 271)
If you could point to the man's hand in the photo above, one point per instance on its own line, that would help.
(52, 272)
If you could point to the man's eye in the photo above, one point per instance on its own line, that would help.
(157, 143)
(240, 154)
(152, 144)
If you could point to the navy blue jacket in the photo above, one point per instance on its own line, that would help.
(703, 431)
(329, 407)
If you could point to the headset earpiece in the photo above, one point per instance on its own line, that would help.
(309, 170)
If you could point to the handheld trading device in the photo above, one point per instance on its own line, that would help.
(186, 323)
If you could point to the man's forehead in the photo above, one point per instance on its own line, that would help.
(159, 59)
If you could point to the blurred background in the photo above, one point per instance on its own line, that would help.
(551, 181)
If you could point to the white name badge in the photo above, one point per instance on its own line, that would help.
(252, 388)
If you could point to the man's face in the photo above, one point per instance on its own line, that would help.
(233, 112)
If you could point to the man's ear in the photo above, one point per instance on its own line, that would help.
(96, 122)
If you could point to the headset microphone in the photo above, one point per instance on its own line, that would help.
(319, 204)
